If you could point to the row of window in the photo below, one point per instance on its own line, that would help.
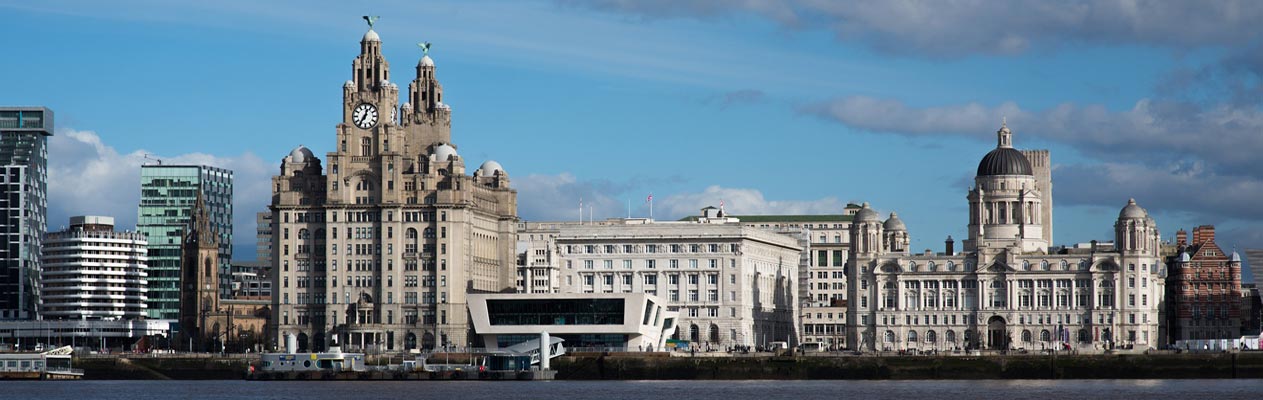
(650, 248)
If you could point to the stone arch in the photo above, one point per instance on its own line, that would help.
(303, 344)
(427, 341)
(714, 333)
(410, 341)
(695, 334)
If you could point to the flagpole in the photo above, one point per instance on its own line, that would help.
(580, 211)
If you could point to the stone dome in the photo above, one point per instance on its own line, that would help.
(1132, 211)
(894, 223)
(866, 214)
(1235, 257)
(301, 154)
(349, 83)
(371, 36)
(1004, 161)
(1184, 257)
(444, 152)
(490, 167)
(426, 61)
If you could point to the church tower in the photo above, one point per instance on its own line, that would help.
(199, 296)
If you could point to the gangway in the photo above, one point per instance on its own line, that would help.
(531, 348)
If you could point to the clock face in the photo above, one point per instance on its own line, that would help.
(364, 116)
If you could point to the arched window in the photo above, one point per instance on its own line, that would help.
(1026, 336)
(951, 336)
(1084, 337)
(714, 333)
(890, 337)
(1043, 265)
(1045, 336)
(951, 266)
(931, 266)
(207, 267)
(931, 337)
(411, 245)
(912, 336)
(912, 266)
(1026, 265)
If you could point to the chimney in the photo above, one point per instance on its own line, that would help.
(1203, 234)
(950, 245)
(1181, 240)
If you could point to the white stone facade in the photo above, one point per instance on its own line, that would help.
(1008, 289)
(732, 285)
(378, 252)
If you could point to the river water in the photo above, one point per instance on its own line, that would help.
(618, 390)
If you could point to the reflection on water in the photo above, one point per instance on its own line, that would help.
(618, 390)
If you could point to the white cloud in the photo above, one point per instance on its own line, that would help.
(556, 197)
(1150, 131)
(980, 27)
(738, 201)
(88, 176)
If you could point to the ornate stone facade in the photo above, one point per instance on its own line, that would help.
(379, 253)
(1008, 289)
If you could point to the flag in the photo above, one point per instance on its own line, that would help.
(649, 199)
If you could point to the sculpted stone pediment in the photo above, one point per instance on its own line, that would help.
(999, 268)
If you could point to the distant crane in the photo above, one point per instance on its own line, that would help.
(151, 157)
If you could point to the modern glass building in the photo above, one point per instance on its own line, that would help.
(167, 196)
(24, 133)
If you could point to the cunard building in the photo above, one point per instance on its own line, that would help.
(1008, 288)
(379, 250)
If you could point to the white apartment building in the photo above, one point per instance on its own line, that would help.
(92, 272)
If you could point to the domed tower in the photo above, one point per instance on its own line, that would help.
(1135, 232)
(1005, 204)
(895, 235)
(866, 233)
(425, 116)
(492, 174)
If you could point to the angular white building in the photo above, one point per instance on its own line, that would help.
(92, 272)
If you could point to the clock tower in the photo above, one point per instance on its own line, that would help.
(380, 251)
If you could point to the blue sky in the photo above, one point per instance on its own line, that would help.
(774, 107)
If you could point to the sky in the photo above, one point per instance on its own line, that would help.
(773, 107)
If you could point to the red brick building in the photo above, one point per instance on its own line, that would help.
(1203, 288)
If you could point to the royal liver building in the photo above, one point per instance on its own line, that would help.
(1008, 289)
(379, 252)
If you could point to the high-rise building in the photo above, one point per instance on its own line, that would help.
(92, 272)
(1254, 257)
(263, 238)
(381, 252)
(167, 196)
(24, 133)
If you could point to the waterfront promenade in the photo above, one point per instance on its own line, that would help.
(665, 366)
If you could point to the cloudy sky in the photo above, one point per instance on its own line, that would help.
(788, 106)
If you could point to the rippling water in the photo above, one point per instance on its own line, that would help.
(617, 390)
